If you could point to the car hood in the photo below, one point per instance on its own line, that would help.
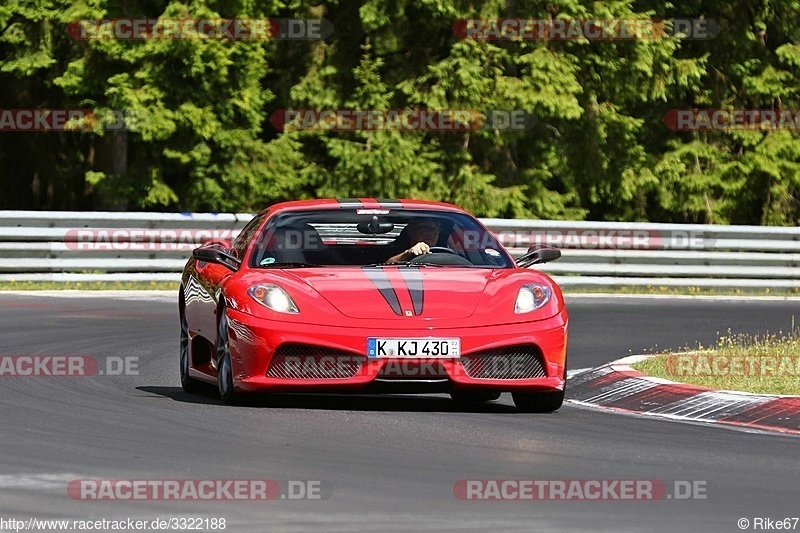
(399, 292)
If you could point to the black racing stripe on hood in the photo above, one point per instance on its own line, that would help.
(350, 203)
(413, 279)
(381, 281)
(389, 203)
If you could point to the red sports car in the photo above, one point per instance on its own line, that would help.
(372, 295)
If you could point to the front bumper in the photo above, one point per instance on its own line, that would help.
(254, 341)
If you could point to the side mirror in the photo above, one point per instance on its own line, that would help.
(536, 256)
(215, 255)
(225, 244)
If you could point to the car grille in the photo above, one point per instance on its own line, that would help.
(523, 361)
(304, 361)
(411, 369)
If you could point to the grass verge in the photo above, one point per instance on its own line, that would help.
(681, 291)
(762, 364)
(88, 285)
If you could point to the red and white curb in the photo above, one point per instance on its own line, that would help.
(619, 387)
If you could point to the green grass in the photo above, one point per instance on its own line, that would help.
(681, 291)
(87, 285)
(763, 364)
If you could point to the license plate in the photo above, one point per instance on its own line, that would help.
(414, 348)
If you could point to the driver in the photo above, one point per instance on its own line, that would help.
(423, 231)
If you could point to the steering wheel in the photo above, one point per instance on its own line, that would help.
(441, 256)
(441, 250)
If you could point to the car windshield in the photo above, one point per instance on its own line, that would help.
(359, 237)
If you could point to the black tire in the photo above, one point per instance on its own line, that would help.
(538, 402)
(541, 402)
(224, 371)
(478, 396)
(188, 384)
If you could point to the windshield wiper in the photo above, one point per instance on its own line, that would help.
(281, 264)
(412, 264)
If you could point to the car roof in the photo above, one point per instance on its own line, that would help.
(362, 203)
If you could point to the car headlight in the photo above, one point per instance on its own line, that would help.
(531, 297)
(273, 297)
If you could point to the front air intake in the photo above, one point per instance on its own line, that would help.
(305, 361)
(523, 361)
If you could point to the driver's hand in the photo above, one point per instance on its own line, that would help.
(419, 249)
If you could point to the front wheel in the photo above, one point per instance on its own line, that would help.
(541, 402)
(538, 402)
(188, 384)
(224, 371)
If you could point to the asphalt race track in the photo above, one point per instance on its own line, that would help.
(390, 462)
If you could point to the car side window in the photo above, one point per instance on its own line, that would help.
(248, 232)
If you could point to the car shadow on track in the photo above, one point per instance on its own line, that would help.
(336, 402)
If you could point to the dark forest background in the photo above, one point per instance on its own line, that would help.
(201, 139)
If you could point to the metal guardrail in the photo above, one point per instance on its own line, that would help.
(52, 246)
